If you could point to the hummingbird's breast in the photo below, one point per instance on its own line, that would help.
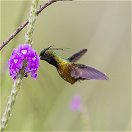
(64, 70)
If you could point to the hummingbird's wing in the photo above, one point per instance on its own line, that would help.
(75, 57)
(83, 72)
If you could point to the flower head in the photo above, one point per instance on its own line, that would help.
(75, 104)
(24, 53)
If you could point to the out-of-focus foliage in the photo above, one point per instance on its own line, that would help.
(101, 27)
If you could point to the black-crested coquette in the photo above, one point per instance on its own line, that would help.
(68, 69)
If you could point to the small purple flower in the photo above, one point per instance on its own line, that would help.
(24, 53)
(75, 104)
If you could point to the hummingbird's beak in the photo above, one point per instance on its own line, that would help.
(41, 58)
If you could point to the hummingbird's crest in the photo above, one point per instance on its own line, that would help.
(49, 48)
(44, 50)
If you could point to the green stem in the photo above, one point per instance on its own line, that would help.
(31, 22)
(85, 118)
(10, 103)
(17, 83)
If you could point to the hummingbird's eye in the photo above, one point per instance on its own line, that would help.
(46, 53)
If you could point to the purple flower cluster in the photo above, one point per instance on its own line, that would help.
(75, 104)
(24, 53)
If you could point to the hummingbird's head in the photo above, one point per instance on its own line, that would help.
(48, 55)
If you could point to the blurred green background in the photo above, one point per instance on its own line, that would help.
(104, 29)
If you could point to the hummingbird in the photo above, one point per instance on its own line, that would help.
(68, 69)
